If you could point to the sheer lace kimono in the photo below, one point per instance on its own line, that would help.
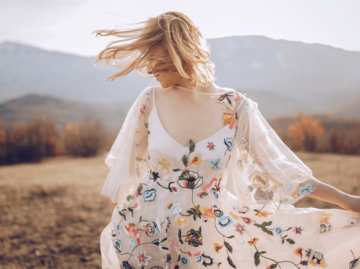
(222, 202)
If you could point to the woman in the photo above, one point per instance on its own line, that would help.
(199, 179)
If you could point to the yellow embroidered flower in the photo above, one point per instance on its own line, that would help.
(244, 158)
(253, 241)
(229, 119)
(181, 222)
(234, 216)
(259, 180)
(169, 205)
(263, 214)
(164, 164)
(299, 252)
(217, 247)
(207, 212)
(196, 160)
(137, 133)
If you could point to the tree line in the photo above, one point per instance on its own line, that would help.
(39, 137)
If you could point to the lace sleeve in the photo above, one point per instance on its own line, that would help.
(128, 155)
(269, 169)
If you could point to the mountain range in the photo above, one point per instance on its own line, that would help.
(282, 76)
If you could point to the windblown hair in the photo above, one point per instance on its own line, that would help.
(184, 49)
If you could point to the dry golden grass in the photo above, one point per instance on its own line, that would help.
(52, 213)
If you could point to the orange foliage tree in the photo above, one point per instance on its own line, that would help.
(305, 133)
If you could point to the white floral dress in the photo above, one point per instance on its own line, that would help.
(223, 202)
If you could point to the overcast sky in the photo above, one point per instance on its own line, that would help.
(67, 25)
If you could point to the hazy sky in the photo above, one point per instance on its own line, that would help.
(67, 25)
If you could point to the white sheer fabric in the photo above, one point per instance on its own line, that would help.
(222, 202)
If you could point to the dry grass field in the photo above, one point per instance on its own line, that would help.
(52, 213)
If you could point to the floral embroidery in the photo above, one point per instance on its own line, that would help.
(174, 188)
(243, 142)
(306, 190)
(259, 180)
(211, 146)
(229, 99)
(217, 247)
(118, 245)
(298, 230)
(164, 164)
(240, 228)
(230, 119)
(224, 222)
(142, 258)
(154, 176)
(143, 110)
(229, 142)
(253, 241)
(278, 230)
(215, 164)
(190, 180)
(184, 261)
(194, 238)
(317, 258)
(149, 195)
(262, 197)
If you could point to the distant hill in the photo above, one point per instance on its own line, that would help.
(293, 75)
(62, 111)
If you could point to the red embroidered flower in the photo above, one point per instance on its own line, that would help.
(211, 146)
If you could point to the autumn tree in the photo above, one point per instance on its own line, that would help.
(84, 139)
(305, 133)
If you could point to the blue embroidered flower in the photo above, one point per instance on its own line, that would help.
(218, 213)
(229, 142)
(132, 243)
(117, 228)
(175, 210)
(118, 245)
(306, 190)
(199, 259)
(149, 195)
(224, 222)
(243, 142)
(184, 261)
(278, 230)
(215, 164)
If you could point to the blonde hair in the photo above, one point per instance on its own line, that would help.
(185, 49)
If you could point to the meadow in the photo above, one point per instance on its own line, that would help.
(52, 213)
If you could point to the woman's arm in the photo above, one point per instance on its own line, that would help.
(330, 194)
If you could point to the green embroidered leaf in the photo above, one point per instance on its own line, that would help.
(304, 262)
(179, 234)
(139, 189)
(283, 241)
(257, 258)
(236, 116)
(229, 247)
(231, 262)
(191, 146)
(257, 225)
(219, 263)
(290, 241)
(203, 194)
(285, 236)
(273, 266)
(140, 219)
(168, 257)
(132, 211)
(113, 235)
(256, 210)
(267, 231)
(177, 170)
(262, 252)
(288, 229)
(185, 160)
(231, 236)
(266, 223)
(128, 198)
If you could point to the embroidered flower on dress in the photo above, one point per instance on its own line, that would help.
(211, 146)
(143, 110)
(229, 99)
(149, 195)
(262, 197)
(118, 245)
(218, 213)
(243, 142)
(225, 221)
(298, 230)
(215, 164)
(190, 180)
(306, 190)
(154, 176)
(174, 188)
(253, 241)
(217, 247)
(142, 258)
(184, 261)
(174, 245)
(278, 230)
(207, 260)
(299, 252)
(207, 212)
(175, 210)
(259, 180)
(194, 238)
(229, 142)
(229, 119)
(240, 228)
(164, 164)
